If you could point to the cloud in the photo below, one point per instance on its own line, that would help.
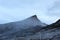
(15, 10)
(55, 9)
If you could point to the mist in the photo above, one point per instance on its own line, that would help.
(48, 11)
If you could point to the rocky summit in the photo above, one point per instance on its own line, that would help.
(30, 29)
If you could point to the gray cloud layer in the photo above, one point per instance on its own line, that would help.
(14, 10)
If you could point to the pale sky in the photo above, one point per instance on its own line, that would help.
(48, 11)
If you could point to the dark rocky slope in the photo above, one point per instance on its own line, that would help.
(50, 32)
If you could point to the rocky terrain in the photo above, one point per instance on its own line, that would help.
(30, 29)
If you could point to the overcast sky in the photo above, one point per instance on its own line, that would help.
(48, 11)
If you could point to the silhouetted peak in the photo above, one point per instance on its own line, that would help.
(34, 16)
(58, 21)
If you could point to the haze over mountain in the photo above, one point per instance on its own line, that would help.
(29, 22)
(18, 28)
(48, 11)
(31, 27)
(15, 20)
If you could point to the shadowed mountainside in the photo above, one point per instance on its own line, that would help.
(50, 32)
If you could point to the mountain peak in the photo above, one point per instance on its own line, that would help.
(34, 16)
(58, 21)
